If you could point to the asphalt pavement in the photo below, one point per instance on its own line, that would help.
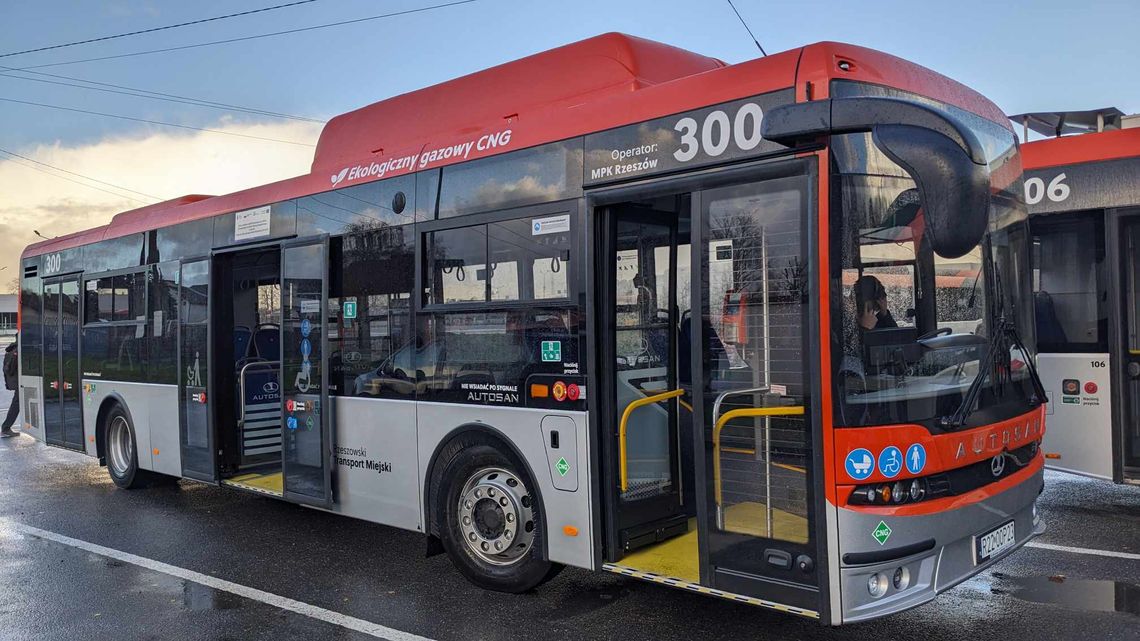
(81, 559)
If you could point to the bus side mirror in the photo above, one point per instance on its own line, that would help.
(941, 153)
(954, 190)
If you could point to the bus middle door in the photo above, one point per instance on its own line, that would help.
(306, 425)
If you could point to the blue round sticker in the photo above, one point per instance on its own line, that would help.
(306, 347)
(890, 461)
(291, 422)
(306, 327)
(915, 458)
(860, 464)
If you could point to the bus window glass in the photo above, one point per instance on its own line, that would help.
(31, 354)
(373, 353)
(522, 248)
(162, 328)
(1069, 292)
(536, 175)
(185, 240)
(486, 357)
(104, 256)
(912, 328)
(754, 333)
(359, 208)
(457, 261)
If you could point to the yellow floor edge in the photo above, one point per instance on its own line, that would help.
(674, 582)
(271, 484)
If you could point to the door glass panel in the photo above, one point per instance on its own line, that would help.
(754, 357)
(71, 410)
(1131, 304)
(304, 430)
(644, 348)
(196, 435)
(53, 417)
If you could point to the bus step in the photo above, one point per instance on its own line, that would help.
(645, 534)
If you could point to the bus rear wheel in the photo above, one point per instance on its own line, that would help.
(121, 453)
(491, 522)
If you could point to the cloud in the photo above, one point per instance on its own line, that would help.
(166, 165)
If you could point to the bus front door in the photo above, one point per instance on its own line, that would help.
(653, 501)
(306, 426)
(706, 373)
(63, 421)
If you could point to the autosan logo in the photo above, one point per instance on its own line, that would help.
(270, 387)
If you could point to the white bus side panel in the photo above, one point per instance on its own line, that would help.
(1078, 434)
(32, 406)
(524, 428)
(377, 475)
(154, 412)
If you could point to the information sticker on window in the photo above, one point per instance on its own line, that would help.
(551, 225)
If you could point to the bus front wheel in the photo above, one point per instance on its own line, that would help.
(491, 521)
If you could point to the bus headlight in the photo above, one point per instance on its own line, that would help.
(877, 585)
(916, 490)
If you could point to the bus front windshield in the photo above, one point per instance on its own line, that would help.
(912, 330)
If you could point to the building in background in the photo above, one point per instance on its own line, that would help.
(8, 303)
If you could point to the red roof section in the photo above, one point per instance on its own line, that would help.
(596, 84)
(1071, 150)
(571, 75)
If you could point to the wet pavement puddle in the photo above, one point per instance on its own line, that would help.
(1077, 594)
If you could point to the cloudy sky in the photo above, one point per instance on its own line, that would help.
(1026, 56)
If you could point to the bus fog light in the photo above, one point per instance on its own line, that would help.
(901, 579)
(870, 494)
(916, 490)
(877, 585)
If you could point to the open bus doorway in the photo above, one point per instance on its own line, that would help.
(702, 314)
(247, 378)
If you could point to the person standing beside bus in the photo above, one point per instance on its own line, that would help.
(12, 382)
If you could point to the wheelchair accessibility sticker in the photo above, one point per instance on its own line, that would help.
(890, 461)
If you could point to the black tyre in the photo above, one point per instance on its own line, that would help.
(490, 518)
(120, 451)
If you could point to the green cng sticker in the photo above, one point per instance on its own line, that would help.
(882, 532)
(551, 351)
(562, 466)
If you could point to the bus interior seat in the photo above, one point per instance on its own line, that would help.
(242, 338)
(267, 341)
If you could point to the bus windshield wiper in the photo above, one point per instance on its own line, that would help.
(985, 366)
(1003, 329)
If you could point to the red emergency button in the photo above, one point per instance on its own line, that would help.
(1090, 388)
(572, 391)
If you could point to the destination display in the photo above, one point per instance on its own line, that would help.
(715, 134)
(1092, 185)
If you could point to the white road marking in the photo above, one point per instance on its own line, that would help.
(285, 603)
(1065, 548)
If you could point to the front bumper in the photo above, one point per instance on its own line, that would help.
(935, 550)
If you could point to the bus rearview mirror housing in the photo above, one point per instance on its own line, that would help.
(940, 153)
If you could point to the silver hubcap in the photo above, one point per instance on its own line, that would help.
(120, 449)
(496, 516)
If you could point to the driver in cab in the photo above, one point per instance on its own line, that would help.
(871, 304)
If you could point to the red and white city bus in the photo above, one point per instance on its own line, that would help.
(1083, 191)
(493, 313)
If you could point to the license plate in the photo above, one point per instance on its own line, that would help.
(993, 542)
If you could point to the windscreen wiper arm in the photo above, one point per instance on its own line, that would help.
(960, 415)
(1004, 328)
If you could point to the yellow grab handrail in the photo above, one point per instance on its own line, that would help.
(641, 402)
(793, 410)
